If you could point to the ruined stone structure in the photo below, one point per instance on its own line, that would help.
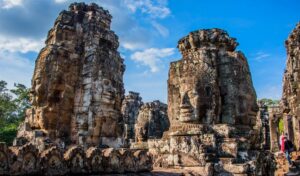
(27, 159)
(77, 86)
(75, 125)
(212, 109)
(152, 121)
(80, 122)
(264, 125)
(275, 115)
(130, 111)
(269, 117)
(290, 96)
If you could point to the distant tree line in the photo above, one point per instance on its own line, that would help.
(13, 104)
(269, 102)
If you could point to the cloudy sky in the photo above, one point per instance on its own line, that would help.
(149, 31)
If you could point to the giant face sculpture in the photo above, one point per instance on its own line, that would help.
(195, 100)
(189, 101)
(108, 92)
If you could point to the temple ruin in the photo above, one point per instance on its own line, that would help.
(212, 109)
(290, 96)
(75, 125)
(81, 122)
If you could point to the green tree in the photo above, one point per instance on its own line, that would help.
(269, 102)
(13, 105)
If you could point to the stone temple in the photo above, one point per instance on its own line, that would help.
(75, 125)
(212, 109)
(82, 123)
(77, 86)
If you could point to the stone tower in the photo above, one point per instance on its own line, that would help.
(212, 109)
(212, 83)
(290, 96)
(130, 111)
(77, 86)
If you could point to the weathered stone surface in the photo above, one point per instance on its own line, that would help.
(24, 160)
(212, 83)
(76, 160)
(76, 125)
(94, 158)
(212, 108)
(4, 160)
(77, 86)
(152, 121)
(77, 93)
(52, 162)
(130, 111)
(290, 96)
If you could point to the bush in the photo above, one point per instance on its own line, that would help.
(13, 104)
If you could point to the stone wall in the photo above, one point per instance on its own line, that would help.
(291, 84)
(74, 160)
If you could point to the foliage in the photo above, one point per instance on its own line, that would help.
(269, 102)
(13, 104)
(280, 126)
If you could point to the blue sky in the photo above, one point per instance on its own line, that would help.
(149, 31)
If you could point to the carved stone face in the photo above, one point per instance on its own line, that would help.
(108, 93)
(189, 101)
(38, 89)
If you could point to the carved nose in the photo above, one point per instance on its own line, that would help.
(185, 102)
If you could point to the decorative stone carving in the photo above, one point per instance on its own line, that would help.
(24, 160)
(212, 109)
(130, 110)
(152, 121)
(77, 86)
(52, 162)
(113, 161)
(94, 158)
(128, 162)
(143, 160)
(76, 160)
(206, 86)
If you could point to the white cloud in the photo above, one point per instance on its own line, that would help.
(156, 9)
(60, 1)
(151, 57)
(22, 45)
(161, 29)
(15, 69)
(7, 4)
(260, 56)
